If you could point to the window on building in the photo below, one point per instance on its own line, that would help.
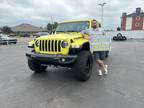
(137, 24)
(138, 18)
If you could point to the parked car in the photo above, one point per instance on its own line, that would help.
(24, 34)
(39, 34)
(5, 39)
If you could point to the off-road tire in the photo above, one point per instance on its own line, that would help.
(36, 67)
(83, 66)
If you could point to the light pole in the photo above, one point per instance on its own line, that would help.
(102, 5)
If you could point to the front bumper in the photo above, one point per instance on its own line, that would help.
(52, 59)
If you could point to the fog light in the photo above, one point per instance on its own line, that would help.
(76, 46)
(63, 60)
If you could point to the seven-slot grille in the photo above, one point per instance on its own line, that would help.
(50, 45)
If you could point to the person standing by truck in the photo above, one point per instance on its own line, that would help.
(99, 56)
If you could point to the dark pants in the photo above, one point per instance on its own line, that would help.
(99, 55)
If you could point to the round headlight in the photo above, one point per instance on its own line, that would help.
(64, 44)
(37, 43)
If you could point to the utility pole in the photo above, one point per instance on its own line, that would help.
(52, 24)
(52, 21)
(102, 5)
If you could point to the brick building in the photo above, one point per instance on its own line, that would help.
(133, 21)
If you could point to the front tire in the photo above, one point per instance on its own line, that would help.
(83, 66)
(34, 66)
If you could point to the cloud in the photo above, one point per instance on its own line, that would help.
(39, 12)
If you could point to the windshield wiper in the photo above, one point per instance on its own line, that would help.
(72, 31)
(68, 31)
(60, 31)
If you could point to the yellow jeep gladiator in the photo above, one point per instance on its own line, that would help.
(65, 48)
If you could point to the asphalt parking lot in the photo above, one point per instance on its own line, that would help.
(123, 87)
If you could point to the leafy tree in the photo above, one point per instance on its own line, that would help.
(6, 30)
(118, 29)
(49, 26)
(55, 25)
(52, 27)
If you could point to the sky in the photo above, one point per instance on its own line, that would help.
(39, 12)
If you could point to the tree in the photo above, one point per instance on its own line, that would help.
(52, 27)
(6, 30)
(49, 26)
(118, 29)
(55, 25)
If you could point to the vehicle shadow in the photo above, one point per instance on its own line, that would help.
(61, 75)
(55, 74)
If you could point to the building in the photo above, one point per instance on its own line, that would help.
(25, 29)
(133, 21)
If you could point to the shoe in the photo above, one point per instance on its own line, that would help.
(99, 72)
(106, 70)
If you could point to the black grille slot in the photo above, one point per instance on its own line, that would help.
(49, 45)
(52, 45)
(56, 45)
(59, 46)
(46, 45)
(40, 45)
(43, 45)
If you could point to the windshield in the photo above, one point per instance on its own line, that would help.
(73, 26)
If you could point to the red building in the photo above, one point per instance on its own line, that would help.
(133, 21)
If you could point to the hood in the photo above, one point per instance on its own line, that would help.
(65, 36)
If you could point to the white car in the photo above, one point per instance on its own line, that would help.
(4, 39)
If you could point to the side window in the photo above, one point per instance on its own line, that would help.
(85, 26)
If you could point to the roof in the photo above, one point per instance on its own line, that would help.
(135, 14)
(78, 20)
(138, 12)
(26, 28)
